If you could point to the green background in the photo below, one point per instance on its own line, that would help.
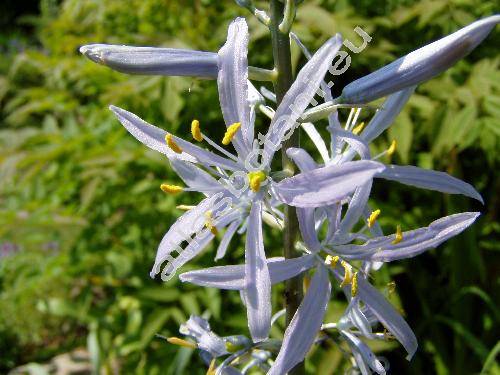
(80, 199)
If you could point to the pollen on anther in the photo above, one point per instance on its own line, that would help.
(230, 133)
(354, 285)
(196, 131)
(373, 218)
(332, 260)
(347, 273)
(399, 235)
(171, 189)
(181, 342)
(255, 179)
(171, 143)
(358, 129)
(392, 148)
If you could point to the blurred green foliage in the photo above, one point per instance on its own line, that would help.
(80, 199)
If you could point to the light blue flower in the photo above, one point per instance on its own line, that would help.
(419, 65)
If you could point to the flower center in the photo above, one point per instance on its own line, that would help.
(255, 179)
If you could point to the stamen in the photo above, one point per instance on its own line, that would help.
(211, 369)
(358, 128)
(210, 224)
(354, 285)
(181, 342)
(399, 235)
(347, 273)
(195, 130)
(171, 189)
(255, 180)
(332, 260)
(184, 207)
(171, 143)
(392, 148)
(391, 287)
(230, 133)
(373, 218)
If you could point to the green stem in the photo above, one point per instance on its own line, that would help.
(284, 79)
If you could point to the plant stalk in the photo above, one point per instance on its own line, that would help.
(284, 79)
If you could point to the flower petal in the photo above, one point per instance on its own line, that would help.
(302, 158)
(327, 185)
(231, 230)
(232, 83)
(300, 94)
(257, 279)
(195, 177)
(147, 134)
(233, 277)
(420, 65)
(356, 207)
(307, 321)
(415, 242)
(199, 329)
(153, 61)
(307, 227)
(367, 355)
(388, 316)
(182, 230)
(429, 179)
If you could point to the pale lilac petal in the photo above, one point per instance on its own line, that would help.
(356, 143)
(356, 207)
(305, 325)
(300, 94)
(153, 61)
(327, 185)
(199, 329)
(367, 355)
(232, 82)
(420, 65)
(257, 278)
(388, 316)
(147, 134)
(195, 177)
(233, 277)
(429, 179)
(415, 242)
(307, 227)
(301, 158)
(182, 230)
(228, 236)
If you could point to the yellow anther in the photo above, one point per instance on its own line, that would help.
(195, 130)
(399, 236)
(171, 189)
(211, 369)
(306, 282)
(391, 287)
(358, 128)
(230, 133)
(373, 218)
(181, 342)
(347, 273)
(171, 143)
(392, 147)
(184, 207)
(210, 224)
(354, 285)
(255, 179)
(332, 260)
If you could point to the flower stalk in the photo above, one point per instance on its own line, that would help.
(284, 79)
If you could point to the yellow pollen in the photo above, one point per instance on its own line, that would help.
(332, 261)
(184, 207)
(181, 342)
(255, 179)
(171, 189)
(230, 133)
(211, 369)
(358, 128)
(373, 218)
(399, 236)
(347, 273)
(391, 287)
(392, 148)
(195, 130)
(209, 223)
(171, 143)
(306, 282)
(354, 285)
